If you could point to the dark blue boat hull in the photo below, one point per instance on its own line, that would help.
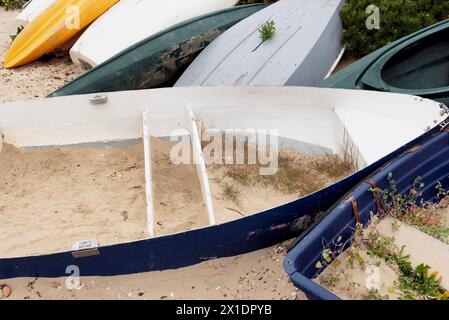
(429, 159)
(183, 249)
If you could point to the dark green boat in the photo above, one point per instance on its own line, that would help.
(159, 60)
(417, 64)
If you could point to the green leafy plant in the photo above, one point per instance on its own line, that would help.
(11, 4)
(267, 30)
(328, 254)
(419, 284)
(374, 294)
(14, 36)
(414, 283)
(409, 209)
(398, 18)
(396, 203)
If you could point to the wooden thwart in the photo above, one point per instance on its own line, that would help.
(148, 177)
(200, 163)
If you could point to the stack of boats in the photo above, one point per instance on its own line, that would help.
(108, 138)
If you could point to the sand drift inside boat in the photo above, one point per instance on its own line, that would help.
(181, 168)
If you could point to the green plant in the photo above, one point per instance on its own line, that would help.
(429, 221)
(396, 203)
(414, 283)
(328, 254)
(374, 294)
(14, 36)
(412, 211)
(11, 4)
(356, 244)
(329, 279)
(418, 284)
(398, 18)
(267, 30)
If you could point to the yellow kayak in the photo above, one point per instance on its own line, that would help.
(53, 28)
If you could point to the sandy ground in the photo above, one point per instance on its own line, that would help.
(34, 80)
(60, 196)
(178, 200)
(257, 275)
(250, 199)
(349, 282)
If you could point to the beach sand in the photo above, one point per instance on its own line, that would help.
(257, 275)
(36, 79)
(52, 198)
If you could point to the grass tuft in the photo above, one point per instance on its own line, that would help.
(231, 193)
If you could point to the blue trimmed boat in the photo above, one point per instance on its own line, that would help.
(313, 120)
(427, 157)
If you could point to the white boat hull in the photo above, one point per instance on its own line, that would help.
(377, 123)
(303, 49)
(32, 10)
(131, 21)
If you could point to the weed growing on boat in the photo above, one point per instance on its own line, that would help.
(336, 166)
(412, 210)
(296, 174)
(330, 253)
(231, 193)
(395, 203)
(374, 294)
(267, 30)
(14, 36)
(414, 283)
(429, 221)
(330, 279)
(333, 166)
(418, 284)
(354, 255)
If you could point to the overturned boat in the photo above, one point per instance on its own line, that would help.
(417, 64)
(419, 175)
(33, 9)
(127, 182)
(56, 25)
(159, 60)
(131, 21)
(292, 42)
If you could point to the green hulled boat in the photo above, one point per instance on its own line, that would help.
(417, 64)
(159, 60)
